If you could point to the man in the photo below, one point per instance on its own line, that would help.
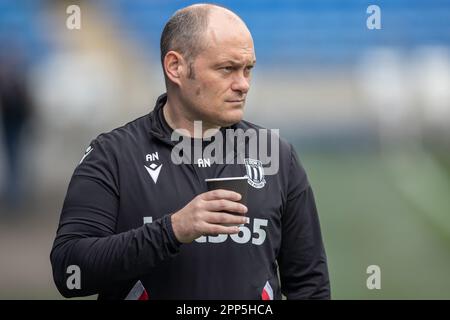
(136, 224)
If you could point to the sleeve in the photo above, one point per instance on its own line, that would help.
(86, 235)
(302, 259)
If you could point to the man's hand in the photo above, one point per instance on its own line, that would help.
(204, 215)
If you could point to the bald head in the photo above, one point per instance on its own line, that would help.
(207, 54)
(193, 28)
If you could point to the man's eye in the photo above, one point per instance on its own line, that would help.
(248, 70)
(227, 69)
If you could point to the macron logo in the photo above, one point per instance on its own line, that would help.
(86, 153)
(154, 170)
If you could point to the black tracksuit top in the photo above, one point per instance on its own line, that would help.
(115, 224)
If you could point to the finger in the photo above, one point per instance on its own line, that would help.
(221, 194)
(215, 229)
(225, 205)
(224, 218)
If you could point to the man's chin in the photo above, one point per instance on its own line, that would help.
(234, 117)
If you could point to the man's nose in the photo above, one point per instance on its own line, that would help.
(240, 83)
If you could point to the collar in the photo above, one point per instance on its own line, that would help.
(160, 129)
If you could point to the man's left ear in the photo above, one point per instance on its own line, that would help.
(174, 66)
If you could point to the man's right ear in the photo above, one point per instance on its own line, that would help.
(174, 66)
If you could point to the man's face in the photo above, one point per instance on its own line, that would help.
(216, 91)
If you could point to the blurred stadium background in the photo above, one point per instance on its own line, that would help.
(368, 111)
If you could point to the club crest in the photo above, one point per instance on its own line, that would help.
(255, 173)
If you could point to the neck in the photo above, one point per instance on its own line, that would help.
(177, 117)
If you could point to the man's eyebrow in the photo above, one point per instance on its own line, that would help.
(235, 63)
